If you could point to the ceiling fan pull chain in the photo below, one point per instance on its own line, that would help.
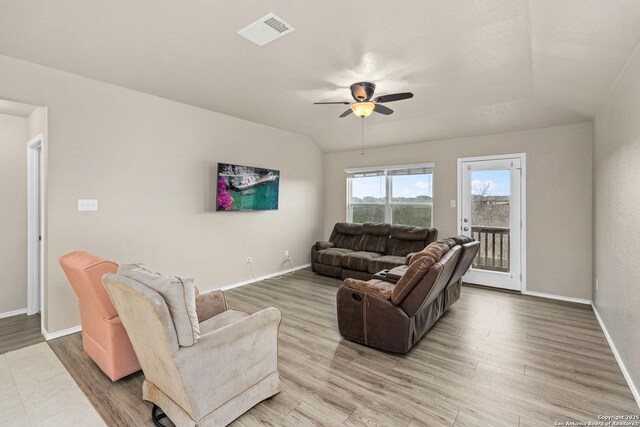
(362, 151)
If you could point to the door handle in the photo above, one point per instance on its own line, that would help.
(466, 229)
(465, 220)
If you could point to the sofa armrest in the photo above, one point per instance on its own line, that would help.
(229, 360)
(209, 304)
(375, 288)
(324, 245)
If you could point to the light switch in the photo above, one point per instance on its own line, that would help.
(87, 205)
(453, 203)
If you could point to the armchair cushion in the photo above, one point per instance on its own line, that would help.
(420, 263)
(320, 245)
(178, 293)
(210, 304)
(375, 288)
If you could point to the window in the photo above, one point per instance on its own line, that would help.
(395, 195)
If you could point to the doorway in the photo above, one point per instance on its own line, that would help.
(491, 210)
(35, 256)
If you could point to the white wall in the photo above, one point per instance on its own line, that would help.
(150, 163)
(617, 216)
(13, 212)
(559, 183)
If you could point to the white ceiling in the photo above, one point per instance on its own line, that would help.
(475, 67)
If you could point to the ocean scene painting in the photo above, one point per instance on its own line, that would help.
(246, 188)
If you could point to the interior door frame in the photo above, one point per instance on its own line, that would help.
(523, 205)
(35, 219)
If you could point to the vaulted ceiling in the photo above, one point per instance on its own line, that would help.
(475, 67)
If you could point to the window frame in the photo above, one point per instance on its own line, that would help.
(388, 204)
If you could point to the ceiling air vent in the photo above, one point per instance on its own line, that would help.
(266, 29)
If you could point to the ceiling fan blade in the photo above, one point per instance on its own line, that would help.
(333, 102)
(382, 109)
(394, 97)
(346, 113)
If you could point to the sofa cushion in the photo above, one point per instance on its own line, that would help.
(374, 237)
(359, 260)
(409, 232)
(375, 288)
(179, 294)
(432, 236)
(398, 247)
(348, 235)
(385, 262)
(406, 239)
(331, 256)
(349, 228)
(417, 269)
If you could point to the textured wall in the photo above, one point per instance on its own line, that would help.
(151, 164)
(558, 195)
(617, 215)
(13, 212)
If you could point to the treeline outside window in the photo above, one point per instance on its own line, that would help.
(395, 195)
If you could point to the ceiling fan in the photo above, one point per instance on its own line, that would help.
(362, 92)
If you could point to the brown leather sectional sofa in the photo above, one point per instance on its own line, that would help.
(396, 308)
(361, 250)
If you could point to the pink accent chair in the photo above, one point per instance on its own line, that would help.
(103, 337)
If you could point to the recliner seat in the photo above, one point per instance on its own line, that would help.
(204, 375)
(394, 316)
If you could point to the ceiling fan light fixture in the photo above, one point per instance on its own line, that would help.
(362, 109)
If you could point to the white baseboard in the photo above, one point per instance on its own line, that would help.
(13, 313)
(614, 350)
(557, 297)
(261, 278)
(57, 334)
(53, 335)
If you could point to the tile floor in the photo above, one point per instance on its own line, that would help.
(36, 390)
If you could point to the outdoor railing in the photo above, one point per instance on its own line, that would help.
(494, 248)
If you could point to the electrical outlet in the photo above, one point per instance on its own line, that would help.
(249, 260)
(597, 284)
(286, 253)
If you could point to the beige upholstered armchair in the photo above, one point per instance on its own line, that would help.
(201, 372)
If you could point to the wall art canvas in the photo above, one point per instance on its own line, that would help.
(246, 188)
